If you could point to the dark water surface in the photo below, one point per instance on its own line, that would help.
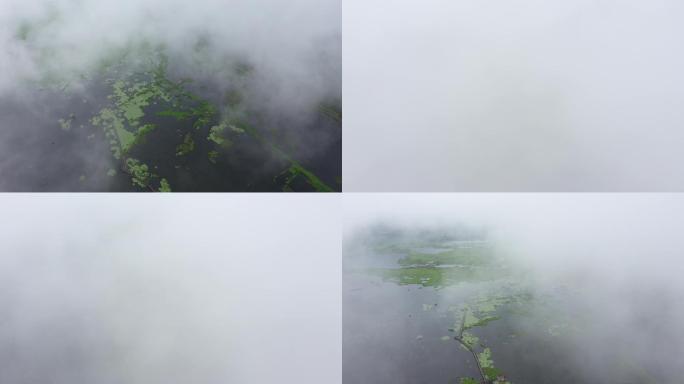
(38, 155)
(404, 333)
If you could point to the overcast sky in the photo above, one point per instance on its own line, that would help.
(515, 95)
(99, 289)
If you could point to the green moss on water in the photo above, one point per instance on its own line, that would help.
(469, 339)
(204, 114)
(470, 319)
(427, 277)
(65, 124)
(142, 90)
(176, 114)
(485, 358)
(216, 133)
(490, 304)
(187, 146)
(140, 174)
(459, 256)
(494, 281)
(113, 125)
(226, 129)
(141, 135)
(296, 170)
(491, 373)
(132, 98)
(164, 186)
(437, 277)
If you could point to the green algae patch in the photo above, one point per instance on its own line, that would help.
(469, 339)
(427, 277)
(459, 256)
(490, 372)
(132, 98)
(149, 119)
(471, 320)
(216, 133)
(186, 147)
(164, 186)
(176, 114)
(446, 265)
(65, 124)
(485, 358)
(120, 139)
(297, 170)
(437, 277)
(140, 174)
(469, 380)
(141, 135)
(484, 321)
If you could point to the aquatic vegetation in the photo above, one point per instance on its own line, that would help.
(141, 98)
(469, 339)
(215, 133)
(119, 138)
(187, 146)
(491, 373)
(296, 170)
(66, 123)
(501, 318)
(183, 129)
(164, 186)
(427, 277)
(450, 264)
(459, 256)
(438, 277)
(485, 358)
(140, 174)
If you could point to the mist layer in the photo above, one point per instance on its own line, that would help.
(110, 289)
(521, 95)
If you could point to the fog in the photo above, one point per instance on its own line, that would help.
(614, 260)
(523, 95)
(287, 42)
(169, 289)
(281, 59)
